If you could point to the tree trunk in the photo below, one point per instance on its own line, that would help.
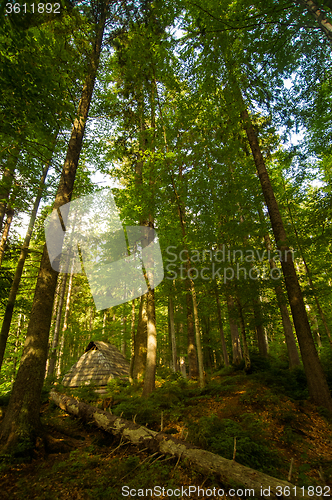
(198, 336)
(229, 472)
(21, 424)
(247, 362)
(132, 337)
(140, 341)
(317, 384)
(53, 353)
(151, 351)
(261, 336)
(17, 340)
(64, 327)
(19, 268)
(146, 337)
(7, 180)
(172, 331)
(123, 334)
(221, 330)
(191, 284)
(314, 325)
(236, 346)
(192, 355)
(4, 238)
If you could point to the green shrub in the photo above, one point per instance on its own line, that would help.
(291, 383)
(252, 449)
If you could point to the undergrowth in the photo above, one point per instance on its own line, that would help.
(245, 438)
(233, 415)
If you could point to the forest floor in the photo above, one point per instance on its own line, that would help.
(267, 412)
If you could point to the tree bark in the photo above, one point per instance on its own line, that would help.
(192, 355)
(317, 384)
(4, 238)
(236, 346)
(17, 340)
(191, 285)
(221, 330)
(261, 336)
(246, 356)
(314, 325)
(64, 327)
(140, 341)
(123, 334)
(172, 331)
(151, 350)
(132, 337)
(229, 472)
(21, 424)
(198, 335)
(55, 341)
(7, 180)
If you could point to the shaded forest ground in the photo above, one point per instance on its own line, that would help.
(267, 412)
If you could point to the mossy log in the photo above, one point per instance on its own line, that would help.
(205, 462)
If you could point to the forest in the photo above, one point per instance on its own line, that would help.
(165, 253)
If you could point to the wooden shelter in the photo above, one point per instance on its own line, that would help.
(100, 363)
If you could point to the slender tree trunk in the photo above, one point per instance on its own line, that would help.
(123, 335)
(7, 180)
(208, 351)
(191, 283)
(52, 355)
(293, 354)
(21, 424)
(247, 362)
(151, 346)
(151, 352)
(65, 326)
(172, 331)
(17, 340)
(19, 268)
(261, 336)
(198, 336)
(317, 384)
(141, 337)
(104, 321)
(192, 355)
(236, 346)
(314, 325)
(221, 330)
(139, 363)
(4, 238)
(132, 336)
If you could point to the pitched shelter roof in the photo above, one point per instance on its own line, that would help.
(100, 363)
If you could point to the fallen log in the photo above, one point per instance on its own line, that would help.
(203, 461)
